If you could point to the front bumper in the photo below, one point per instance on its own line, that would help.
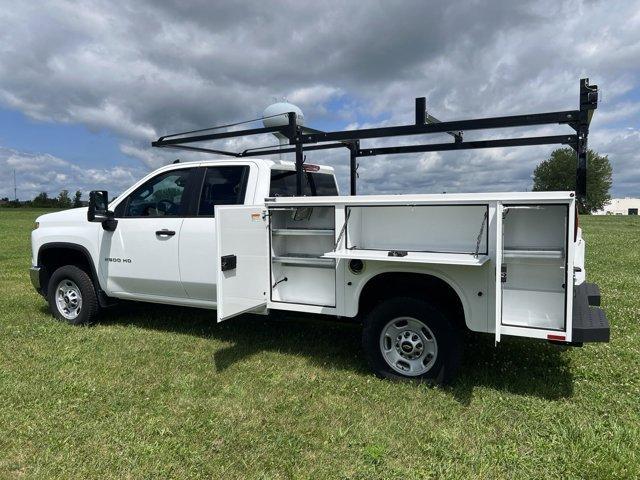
(590, 324)
(34, 275)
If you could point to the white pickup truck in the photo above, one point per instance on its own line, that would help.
(253, 235)
(417, 270)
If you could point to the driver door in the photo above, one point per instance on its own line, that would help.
(140, 258)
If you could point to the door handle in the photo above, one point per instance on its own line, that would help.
(165, 233)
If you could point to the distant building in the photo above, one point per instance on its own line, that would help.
(621, 206)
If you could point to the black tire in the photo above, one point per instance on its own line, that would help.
(89, 300)
(441, 366)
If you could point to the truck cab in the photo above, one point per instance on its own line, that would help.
(164, 247)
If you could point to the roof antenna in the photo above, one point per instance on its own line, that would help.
(275, 115)
(177, 160)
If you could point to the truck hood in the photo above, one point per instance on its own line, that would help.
(73, 216)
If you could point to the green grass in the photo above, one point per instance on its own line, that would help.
(153, 391)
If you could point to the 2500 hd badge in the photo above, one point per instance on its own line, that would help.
(117, 260)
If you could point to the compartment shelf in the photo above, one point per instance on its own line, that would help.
(412, 257)
(537, 253)
(302, 231)
(304, 259)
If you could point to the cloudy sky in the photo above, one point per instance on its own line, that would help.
(85, 86)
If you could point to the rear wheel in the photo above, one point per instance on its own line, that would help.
(72, 296)
(408, 338)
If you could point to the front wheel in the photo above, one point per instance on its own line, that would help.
(408, 338)
(72, 296)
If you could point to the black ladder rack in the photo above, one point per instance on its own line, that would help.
(306, 139)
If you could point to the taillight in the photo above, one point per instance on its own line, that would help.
(559, 338)
(576, 225)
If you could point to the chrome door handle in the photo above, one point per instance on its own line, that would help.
(165, 233)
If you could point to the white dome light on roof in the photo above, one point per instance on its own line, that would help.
(275, 115)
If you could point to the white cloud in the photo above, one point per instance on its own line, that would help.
(37, 172)
(314, 95)
(111, 117)
(622, 146)
(143, 69)
(151, 158)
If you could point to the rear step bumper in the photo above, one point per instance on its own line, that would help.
(590, 324)
(593, 293)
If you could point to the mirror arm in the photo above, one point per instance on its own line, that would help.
(110, 223)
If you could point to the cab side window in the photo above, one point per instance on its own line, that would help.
(222, 186)
(162, 196)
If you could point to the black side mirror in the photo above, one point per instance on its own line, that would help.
(99, 210)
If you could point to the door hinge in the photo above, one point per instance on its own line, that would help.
(503, 274)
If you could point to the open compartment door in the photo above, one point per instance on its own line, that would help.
(243, 260)
(534, 270)
(498, 273)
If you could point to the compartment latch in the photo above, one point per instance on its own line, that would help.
(228, 262)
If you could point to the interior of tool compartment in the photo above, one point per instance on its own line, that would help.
(299, 237)
(419, 228)
(534, 265)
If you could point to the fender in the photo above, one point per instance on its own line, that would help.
(102, 297)
(460, 292)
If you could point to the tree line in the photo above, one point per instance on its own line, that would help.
(43, 200)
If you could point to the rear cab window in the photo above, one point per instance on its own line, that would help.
(315, 184)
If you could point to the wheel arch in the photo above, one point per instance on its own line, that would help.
(53, 255)
(433, 286)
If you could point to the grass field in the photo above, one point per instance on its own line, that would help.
(153, 391)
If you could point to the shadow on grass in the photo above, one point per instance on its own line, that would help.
(328, 343)
(518, 366)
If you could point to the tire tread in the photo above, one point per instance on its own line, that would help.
(448, 337)
(90, 304)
